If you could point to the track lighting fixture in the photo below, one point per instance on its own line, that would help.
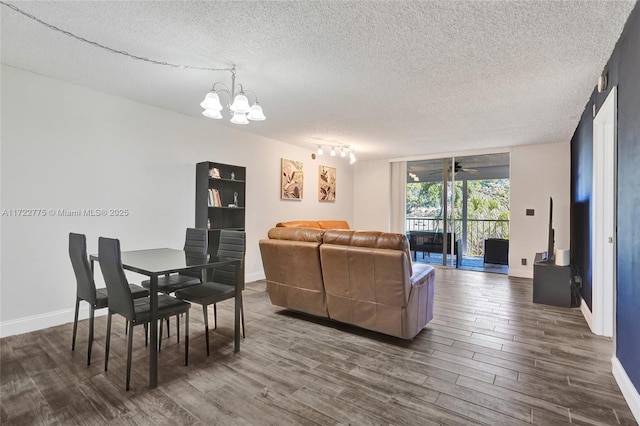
(345, 150)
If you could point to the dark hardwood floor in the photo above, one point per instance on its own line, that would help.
(490, 356)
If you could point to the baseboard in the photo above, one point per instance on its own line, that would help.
(254, 276)
(586, 313)
(515, 271)
(627, 388)
(52, 319)
(42, 321)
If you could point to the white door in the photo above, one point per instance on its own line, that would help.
(603, 209)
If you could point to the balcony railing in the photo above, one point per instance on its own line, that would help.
(477, 230)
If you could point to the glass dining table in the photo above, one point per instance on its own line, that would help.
(156, 262)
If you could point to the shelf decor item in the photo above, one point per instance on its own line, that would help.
(292, 180)
(214, 173)
(326, 183)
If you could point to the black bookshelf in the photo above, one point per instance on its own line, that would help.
(217, 212)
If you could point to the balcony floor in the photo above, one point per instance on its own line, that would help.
(469, 263)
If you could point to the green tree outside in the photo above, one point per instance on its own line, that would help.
(487, 209)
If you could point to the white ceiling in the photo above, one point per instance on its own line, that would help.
(392, 79)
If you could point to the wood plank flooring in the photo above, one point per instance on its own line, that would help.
(490, 356)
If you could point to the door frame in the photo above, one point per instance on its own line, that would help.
(603, 214)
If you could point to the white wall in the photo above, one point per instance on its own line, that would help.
(537, 172)
(372, 195)
(68, 147)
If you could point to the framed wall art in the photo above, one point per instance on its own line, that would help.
(292, 180)
(326, 183)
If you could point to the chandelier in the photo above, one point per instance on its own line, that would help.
(345, 150)
(241, 110)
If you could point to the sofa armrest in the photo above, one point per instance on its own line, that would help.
(420, 303)
(421, 273)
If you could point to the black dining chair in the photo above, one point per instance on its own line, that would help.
(86, 287)
(223, 284)
(195, 243)
(135, 311)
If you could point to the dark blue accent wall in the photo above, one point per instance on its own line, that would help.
(623, 70)
(581, 183)
(628, 235)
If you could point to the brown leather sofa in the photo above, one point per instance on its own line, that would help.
(364, 278)
(317, 224)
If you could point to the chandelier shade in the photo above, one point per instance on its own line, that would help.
(256, 113)
(212, 113)
(239, 118)
(211, 102)
(240, 104)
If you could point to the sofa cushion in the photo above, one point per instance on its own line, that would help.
(317, 224)
(311, 235)
(291, 260)
(333, 224)
(371, 239)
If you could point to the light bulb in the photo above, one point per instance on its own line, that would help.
(320, 152)
(342, 153)
(352, 158)
(333, 151)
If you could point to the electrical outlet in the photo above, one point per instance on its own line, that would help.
(523, 261)
(530, 212)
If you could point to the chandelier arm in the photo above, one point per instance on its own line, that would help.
(253, 93)
(226, 89)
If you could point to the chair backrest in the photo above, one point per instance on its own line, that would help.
(196, 243)
(85, 286)
(120, 300)
(196, 240)
(233, 245)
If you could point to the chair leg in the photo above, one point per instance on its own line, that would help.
(242, 318)
(129, 350)
(146, 334)
(215, 317)
(206, 326)
(92, 313)
(106, 346)
(167, 329)
(178, 327)
(75, 325)
(186, 338)
(160, 339)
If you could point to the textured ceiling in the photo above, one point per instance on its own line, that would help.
(391, 79)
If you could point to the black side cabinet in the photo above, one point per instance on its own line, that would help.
(552, 283)
(496, 251)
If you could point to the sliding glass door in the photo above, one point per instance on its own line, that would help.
(455, 204)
